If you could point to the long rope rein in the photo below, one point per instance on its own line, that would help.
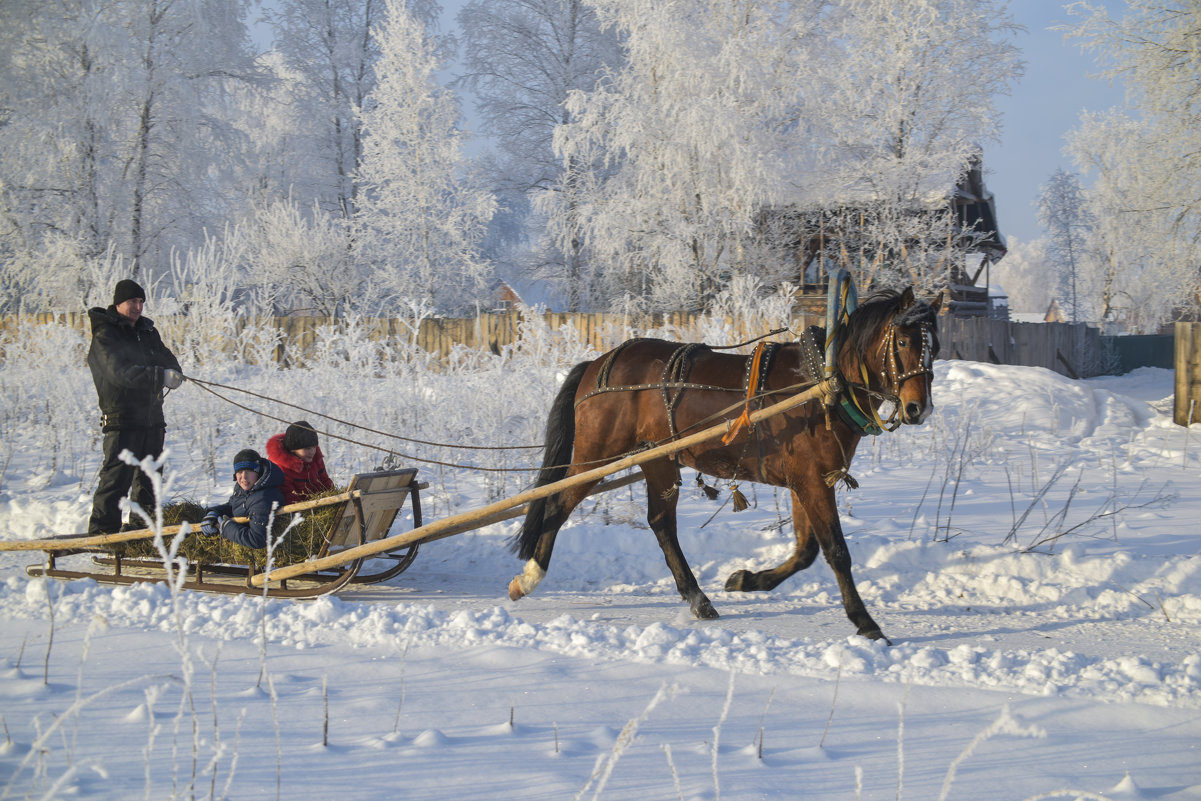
(207, 385)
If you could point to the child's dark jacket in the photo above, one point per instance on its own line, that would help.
(257, 503)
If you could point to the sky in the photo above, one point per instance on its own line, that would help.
(1044, 106)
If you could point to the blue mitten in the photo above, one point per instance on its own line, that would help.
(209, 527)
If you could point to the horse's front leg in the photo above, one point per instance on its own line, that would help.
(822, 513)
(802, 556)
(662, 493)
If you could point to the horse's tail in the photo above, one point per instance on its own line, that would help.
(560, 441)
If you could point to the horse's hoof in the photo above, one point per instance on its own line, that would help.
(704, 610)
(515, 591)
(739, 581)
(875, 634)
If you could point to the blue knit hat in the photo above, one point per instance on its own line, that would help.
(247, 459)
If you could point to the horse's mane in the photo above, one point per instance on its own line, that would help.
(876, 310)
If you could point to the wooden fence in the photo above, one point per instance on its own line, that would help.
(1073, 350)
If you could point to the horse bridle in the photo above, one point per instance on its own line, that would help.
(892, 376)
(892, 362)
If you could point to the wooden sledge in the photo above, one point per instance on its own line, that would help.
(366, 513)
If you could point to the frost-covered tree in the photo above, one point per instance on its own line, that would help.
(1147, 163)
(866, 111)
(1062, 210)
(1145, 269)
(696, 126)
(328, 53)
(116, 127)
(1023, 274)
(521, 58)
(908, 101)
(423, 214)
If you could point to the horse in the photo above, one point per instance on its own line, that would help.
(648, 391)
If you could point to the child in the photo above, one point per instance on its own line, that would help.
(256, 496)
(297, 454)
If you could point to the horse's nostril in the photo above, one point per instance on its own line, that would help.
(913, 411)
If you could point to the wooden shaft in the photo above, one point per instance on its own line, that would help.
(456, 524)
(77, 541)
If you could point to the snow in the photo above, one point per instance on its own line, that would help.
(1031, 551)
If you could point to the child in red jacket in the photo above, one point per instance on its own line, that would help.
(298, 455)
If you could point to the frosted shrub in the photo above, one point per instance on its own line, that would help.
(539, 344)
(350, 343)
(206, 282)
(48, 391)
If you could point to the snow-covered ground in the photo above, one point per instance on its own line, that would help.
(1032, 551)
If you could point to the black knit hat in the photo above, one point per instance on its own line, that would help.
(300, 435)
(127, 289)
(248, 459)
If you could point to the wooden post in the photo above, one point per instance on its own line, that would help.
(466, 521)
(1187, 407)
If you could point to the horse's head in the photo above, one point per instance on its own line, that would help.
(891, 343)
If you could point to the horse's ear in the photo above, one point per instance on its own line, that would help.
(907, 298)
(936, 304)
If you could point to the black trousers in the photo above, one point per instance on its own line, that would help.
(117, 479)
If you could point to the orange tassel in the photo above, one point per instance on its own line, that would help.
(744, 420)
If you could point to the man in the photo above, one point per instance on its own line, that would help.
(131, 368)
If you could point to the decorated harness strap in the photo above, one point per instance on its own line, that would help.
(757, 366)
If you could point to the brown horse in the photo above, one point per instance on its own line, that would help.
(647, 391)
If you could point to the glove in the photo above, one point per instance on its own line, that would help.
(210, 527)
(172, 379)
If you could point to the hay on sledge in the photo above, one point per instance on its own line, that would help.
(302, 539)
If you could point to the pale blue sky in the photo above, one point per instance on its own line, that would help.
(1044, 106)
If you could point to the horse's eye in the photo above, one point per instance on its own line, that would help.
(903, 342)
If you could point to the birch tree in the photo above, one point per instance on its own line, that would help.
(119, 133)
(422, 212)
(1063, 212)
(522, 58)
(1146, 269)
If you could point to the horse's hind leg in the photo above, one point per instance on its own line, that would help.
(550, 517)
(662, 493)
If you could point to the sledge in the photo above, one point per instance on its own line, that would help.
(365, 514)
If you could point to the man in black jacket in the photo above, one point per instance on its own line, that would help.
(131, 368)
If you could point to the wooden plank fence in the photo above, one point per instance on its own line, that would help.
(1074, 350)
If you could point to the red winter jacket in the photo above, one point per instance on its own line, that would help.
(300, 480)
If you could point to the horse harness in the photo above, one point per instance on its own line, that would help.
(868, 421)
(673, 381)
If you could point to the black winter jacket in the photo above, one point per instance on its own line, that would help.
(127, 360)
(255, 503)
